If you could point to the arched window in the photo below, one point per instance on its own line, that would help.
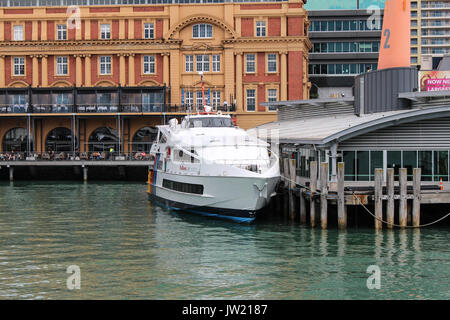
(16, 140)
(103, 139)
(202, 30)
(143, 139)
(59, 139)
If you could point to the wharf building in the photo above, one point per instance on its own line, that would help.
(127, 66)
(388, 124)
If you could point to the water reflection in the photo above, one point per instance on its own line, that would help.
(127, 248)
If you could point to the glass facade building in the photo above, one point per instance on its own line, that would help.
(345, 43)
(342, 4)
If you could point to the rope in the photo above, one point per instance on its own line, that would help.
(397, 225)
(381, 220)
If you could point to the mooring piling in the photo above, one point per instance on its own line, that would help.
(417, 175)
(403, 208)
(323, 194)
(378, 198)
(390, 198)
(286, 184)
(341, 207)
(313, 189)
(292, 178)
(302, 206)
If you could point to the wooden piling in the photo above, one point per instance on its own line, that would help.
(417, 173)
(378, 198)
(323, 194)
(286, 185)
(85, 174)
(403, 208)
(341, 208)
(302, 207)
(390, 194)
(292, 175)
(11, 173)
(313, 187)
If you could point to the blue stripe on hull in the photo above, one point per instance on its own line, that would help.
(204, 212)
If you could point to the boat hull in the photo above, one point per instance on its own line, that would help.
(235, 198)
(242, 216)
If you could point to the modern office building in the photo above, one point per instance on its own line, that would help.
(106, 72)
(345, 36)
(430, 32)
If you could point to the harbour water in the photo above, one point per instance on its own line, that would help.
(128, 249)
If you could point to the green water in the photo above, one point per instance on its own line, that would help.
(127, 249)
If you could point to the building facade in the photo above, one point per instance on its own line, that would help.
(430, 32)
(71, 77)
(345, 38)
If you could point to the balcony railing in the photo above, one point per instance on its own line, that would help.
(110, 108)
(75, 156)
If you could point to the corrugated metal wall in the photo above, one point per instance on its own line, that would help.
(426, 134)
(381, 89)
(294, 112)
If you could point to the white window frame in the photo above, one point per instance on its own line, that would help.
(189, 98)
(62, 64)
(271, 97)
(216, 99)
(189, 63)
(250, 62)
(105, 31)
(199, 98)
(18, 33)
(261, 28)
(202, 64)
(61, 32)
(272, 63)
(149, 30)
(216, 63)
(202, 31)
(105, 65)
(149, 64)
(250, 97)
(19, 65)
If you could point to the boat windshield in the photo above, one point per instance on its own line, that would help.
(210, 122)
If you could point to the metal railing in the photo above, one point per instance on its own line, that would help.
(75, 156)
(111, 108)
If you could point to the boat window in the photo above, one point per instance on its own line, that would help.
(162, 138)
(183, 187)
(181, 156)
(210, 122)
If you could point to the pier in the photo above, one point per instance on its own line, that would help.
(390, 200)
(117, 167)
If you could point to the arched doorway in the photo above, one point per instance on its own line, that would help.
(59, 139)
(16, 140)
(143, 139)
(103, 139)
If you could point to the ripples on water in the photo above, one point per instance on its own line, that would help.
(127, 249)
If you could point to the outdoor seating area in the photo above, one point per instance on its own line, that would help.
(75, 156)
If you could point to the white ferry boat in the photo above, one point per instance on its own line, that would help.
(207, 165)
